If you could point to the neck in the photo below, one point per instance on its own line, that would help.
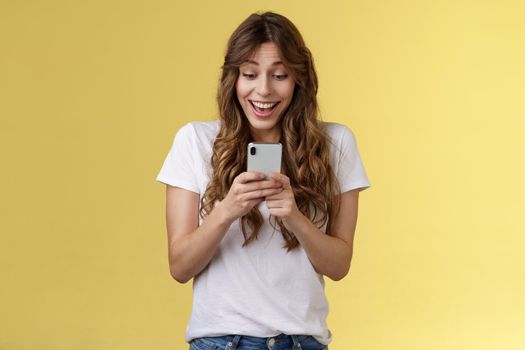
(271, 136)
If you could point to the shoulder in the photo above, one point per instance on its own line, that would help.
(200, 127)
(199, 131)
(337, 133)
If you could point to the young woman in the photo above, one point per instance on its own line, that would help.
(257, 249)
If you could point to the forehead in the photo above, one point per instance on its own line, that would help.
(265, 54)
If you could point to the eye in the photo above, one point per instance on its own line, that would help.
(281, 76)
(248, 75)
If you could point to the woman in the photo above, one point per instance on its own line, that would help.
(257, 249)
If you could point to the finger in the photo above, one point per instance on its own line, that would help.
(282, 179)
(252, 203)
(260, 185)
(248, 176)
(276, 196)
(261, 194)
(278, 212)
(274, 203)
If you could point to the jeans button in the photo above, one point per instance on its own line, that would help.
(271, 342)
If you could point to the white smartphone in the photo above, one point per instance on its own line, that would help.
(264, 157)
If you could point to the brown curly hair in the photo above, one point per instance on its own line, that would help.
(305, 145)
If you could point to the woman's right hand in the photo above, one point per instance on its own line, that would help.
(247, 190)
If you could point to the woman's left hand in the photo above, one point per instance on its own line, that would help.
(283, 204)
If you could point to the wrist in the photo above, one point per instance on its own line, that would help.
(295, 221)
(222, 215)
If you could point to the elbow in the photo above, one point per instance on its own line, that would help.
(180, 279)
(339, 275)
(341, 265)
(178, 270)
(337, 278)
(179, 276)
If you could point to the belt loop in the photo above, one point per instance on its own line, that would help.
(296, 344)
(233, 344)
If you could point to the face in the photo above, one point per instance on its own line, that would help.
(264, 89)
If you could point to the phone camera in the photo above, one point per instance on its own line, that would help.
(252, 151)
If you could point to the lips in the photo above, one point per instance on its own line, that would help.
(263, 113)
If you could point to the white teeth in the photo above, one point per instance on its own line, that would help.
(264, 105)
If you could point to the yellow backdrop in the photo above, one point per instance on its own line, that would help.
(92, 93)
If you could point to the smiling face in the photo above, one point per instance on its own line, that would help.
(264, 89)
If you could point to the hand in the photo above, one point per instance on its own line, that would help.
(248, 189)
(283, 204)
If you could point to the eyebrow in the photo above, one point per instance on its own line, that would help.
(276, 63)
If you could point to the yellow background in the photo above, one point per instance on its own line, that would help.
(92, 93)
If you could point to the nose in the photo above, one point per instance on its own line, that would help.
(264, 88)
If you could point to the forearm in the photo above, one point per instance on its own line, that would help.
(330, 256)
(191, 253)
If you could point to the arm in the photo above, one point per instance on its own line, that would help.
(330, 253)
(190, 246)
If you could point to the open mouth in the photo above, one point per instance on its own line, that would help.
(263, 109)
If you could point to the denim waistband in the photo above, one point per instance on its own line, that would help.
(235, 342)
(270, 341)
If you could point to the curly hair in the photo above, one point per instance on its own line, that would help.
(305, 144)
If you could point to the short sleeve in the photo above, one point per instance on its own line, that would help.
(349, 170)
(179, 166)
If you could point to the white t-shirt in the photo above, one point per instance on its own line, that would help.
(260, 290)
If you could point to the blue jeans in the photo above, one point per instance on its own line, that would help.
(242, 342)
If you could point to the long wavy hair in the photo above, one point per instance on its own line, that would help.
(305, 145)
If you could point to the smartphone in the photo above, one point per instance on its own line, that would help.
(264, 157)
